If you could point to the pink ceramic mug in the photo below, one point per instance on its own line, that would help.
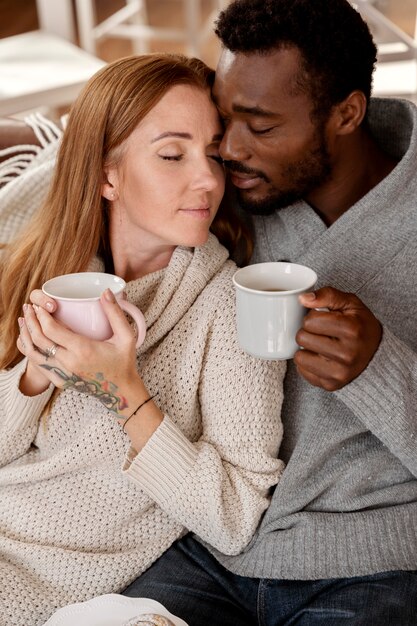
(77, 297)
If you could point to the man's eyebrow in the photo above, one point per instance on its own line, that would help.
(238, 108)
(179, 135)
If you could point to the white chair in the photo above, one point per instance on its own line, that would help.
(38, 69)
(43, 69)
(131, 22)
(57, 17)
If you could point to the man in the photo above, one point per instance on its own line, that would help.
(335, 189)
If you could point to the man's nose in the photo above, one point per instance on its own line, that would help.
(232, 146)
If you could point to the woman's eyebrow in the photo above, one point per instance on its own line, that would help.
(217, 137)
(172, 134)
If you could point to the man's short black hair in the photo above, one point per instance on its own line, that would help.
(335, 43)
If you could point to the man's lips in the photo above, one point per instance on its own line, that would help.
(245, 181)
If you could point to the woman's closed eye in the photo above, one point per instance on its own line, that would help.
(179, 157)
(171, 157)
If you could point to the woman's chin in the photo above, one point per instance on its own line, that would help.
(196, 241)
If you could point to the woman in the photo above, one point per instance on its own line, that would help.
(91, 496)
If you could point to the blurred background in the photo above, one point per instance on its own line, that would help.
(19, 16)
(49, 48)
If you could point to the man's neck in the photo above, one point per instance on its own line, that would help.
(359, 166)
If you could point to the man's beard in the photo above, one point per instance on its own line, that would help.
(302, 178)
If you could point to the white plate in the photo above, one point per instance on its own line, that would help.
(109, 610)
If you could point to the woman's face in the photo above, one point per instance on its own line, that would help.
(170, 180)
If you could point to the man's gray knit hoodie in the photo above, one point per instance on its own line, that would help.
(346, 504)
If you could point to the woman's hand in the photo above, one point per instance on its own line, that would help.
(103, 369)
(34, 380)
(38, 298)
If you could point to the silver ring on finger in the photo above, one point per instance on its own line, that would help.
(51, 352)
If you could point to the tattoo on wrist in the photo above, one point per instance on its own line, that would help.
(102, 389)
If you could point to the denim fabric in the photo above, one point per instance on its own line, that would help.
(194, 586)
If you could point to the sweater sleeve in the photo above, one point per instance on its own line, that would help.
(19, 414)
(218, 487)
(384, 398)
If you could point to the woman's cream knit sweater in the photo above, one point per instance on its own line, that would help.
(77, 518)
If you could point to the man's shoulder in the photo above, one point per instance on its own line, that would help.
(393, 123)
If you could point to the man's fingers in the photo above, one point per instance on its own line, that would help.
(330, 298)
(321, 371)
(332, 324)
(338, 343)
(329, 347)
(311, 378)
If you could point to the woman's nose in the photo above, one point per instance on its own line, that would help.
(232, 146)
(205, 177)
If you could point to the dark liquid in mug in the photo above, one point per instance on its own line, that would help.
(274, 290)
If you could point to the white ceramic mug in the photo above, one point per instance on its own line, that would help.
(268, 311)
(77, 297)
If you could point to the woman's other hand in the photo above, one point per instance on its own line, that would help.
(34, 381)
(104, 369)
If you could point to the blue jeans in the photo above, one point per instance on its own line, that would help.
(194, 586)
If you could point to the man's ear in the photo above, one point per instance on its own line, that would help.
(109, 187)
(348, 115)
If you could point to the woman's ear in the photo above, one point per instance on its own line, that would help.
(109, 188)
(348, 115)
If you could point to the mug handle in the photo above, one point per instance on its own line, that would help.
(138, 318)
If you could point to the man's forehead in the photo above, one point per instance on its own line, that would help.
(256, 76)
(237, 66)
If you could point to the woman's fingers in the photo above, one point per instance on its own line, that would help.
(56, 332)
(40, 299)
(37, 346)
(118, 322)
(45, 361)
(24, 342)
(104, 369)
(64, 337)
(32, 339)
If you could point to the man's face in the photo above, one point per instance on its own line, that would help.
(275, 151)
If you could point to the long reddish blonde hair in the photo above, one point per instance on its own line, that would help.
(71, 226)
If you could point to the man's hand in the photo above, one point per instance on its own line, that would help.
(337, 344)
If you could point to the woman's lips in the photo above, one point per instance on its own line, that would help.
(201, 213)
(243, 181)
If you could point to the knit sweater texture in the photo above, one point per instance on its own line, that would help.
(77, 519)
(347, 501)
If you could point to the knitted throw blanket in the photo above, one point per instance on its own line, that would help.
(27, 171)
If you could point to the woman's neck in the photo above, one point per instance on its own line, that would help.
(130, 265)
